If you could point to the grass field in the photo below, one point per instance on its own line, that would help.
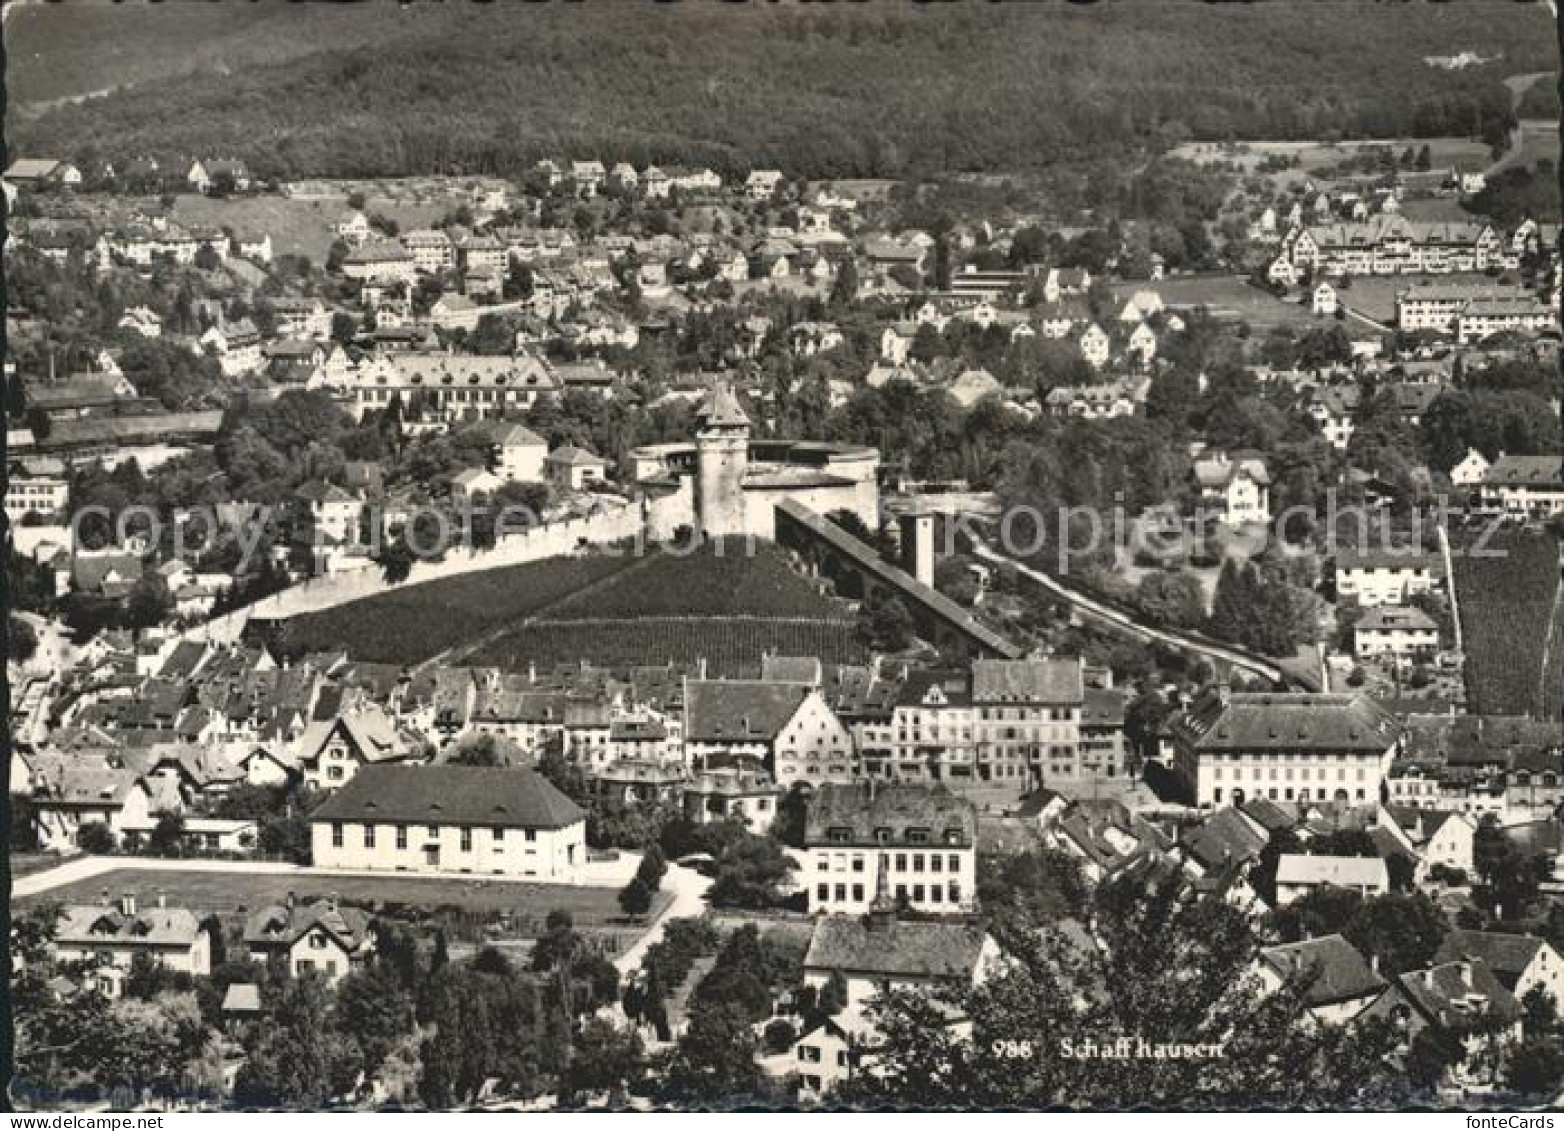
(1231, 298)
(228, 893)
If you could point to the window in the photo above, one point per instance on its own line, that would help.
(901, 861)
(935, 862)
(530, 835)
(369, 836)
(498, 836)
(841, 893)
(336, 834)
(857, 893)
(434, 832)
(953, 891)
(953, 863)
(401, 836)
(466, 840)
(317, 941)
(823, 892)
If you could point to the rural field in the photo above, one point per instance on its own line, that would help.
(298, 225)
(1512, 617)
(228, 893)
(1314, 155)
(406, 626)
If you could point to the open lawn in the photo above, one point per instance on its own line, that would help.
(227, 893)
(27, 863)
(1229, 298)
(303, 225)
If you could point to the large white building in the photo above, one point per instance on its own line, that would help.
(1386, 576)
(451, 819)
(1234, 747)
(912, 844)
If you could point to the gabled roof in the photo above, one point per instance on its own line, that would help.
(88, 925)
(1337, 871)
(1450, 993)
(895, 949)
(871, 814)
(1033, 681)
(1507, 955)
(1336, 971)
(1327, 723)
(451, 795)
(282, 925)
(739, 710)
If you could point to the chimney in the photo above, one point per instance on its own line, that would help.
(288, 902)
(1374, 963)
(127, 904)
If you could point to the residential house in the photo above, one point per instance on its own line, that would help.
(575, 469)
(1237, 489)
(1397, 631)
(317, 937)
(1337, 982)
(785, 728)
(172, 937)
(333, 752)
(1298, 875)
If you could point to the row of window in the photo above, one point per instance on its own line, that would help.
(496, 835)
(916, 893)
(900, 862)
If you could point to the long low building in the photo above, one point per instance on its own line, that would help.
(1234, 747)
(451, 819)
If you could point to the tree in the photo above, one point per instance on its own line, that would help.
(95, 838)
(376, 1006)
(1163, 967)
(636, 898)
(288, 1060)
(652, 868)
(778, 1036)
(749, 873)
(1510, 878)
(167, 835)
(603, 1059)
(21, 640)
(1536, 1066)
(887, 624)
(715, 1059)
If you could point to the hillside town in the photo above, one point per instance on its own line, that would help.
(641, 634)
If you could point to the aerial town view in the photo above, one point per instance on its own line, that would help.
(634, 556)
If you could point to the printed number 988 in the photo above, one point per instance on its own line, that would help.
(1012, 1050)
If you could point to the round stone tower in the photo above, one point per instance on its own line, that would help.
(721, 456)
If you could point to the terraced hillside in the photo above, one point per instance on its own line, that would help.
(728, 609)
(1512, 620)
(409, 625)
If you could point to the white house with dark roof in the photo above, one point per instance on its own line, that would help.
(449, 819)
(1386, 576)
(786, 728)
(1336, 981)
(1298, 875)
(913, 844)
(320, 936)
(878, 953)
(1522, 963)
(575, 469)
(1396, 631)
(1239, 490)
(331, 753)
(113, 935)
(1531, 486)
(1027, 720)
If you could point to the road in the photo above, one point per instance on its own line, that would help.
(1184, 643)
(689, 901)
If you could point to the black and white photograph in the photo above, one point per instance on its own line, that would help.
(810, 556)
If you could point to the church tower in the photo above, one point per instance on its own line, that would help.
(721, 456)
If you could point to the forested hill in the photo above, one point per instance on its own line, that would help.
(823, 90)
